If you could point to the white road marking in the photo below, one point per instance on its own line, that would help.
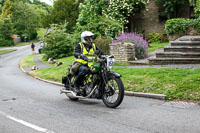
(35, 127)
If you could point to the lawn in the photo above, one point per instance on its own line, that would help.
(156, 45)
(182, 84)
(6, 51)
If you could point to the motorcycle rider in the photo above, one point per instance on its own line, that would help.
(84, 52)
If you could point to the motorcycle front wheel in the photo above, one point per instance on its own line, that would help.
(113, 93)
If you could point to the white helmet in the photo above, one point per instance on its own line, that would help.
(84, 35)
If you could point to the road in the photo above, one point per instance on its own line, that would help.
(28, 105)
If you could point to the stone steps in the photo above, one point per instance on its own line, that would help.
(189, 38)
(181, 49)
(177, 55)
(166, 61)
(185, 50)
(185, 43)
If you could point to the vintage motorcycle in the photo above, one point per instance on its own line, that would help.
(99, 83)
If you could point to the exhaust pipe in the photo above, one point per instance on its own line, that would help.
(68, 92)
(74, 94)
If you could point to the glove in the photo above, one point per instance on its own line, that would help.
(84, 57)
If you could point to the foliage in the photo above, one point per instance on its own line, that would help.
(100, 26)
(103, 44)
(42, 5)
(180, 25)
(168, 8)
(154, 37)
(25, 19)
(6, 9)
(141, 49)
(63, 11)
(58, 43)
(41, 8)
(75, 38)
(41, 33)
(91, 18)
(197, 9)
(6, 31)
(4, 42)
(122, 9)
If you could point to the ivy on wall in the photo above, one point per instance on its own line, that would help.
(168, 8)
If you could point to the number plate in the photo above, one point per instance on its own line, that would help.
(110, 62)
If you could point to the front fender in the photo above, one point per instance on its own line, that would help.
(117, 75)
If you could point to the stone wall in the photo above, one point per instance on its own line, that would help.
(123, 52)
(147, 21)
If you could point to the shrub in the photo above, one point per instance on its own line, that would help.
(180, 25)
(103, 44)
(141, 50)
(154, 37)
(91, 18)
(4, 43)
(58, 43)
(100, 26)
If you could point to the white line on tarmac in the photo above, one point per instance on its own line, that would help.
(35, 127)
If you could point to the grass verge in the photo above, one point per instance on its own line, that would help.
(181, 84)
(6, 51)
(28, 61)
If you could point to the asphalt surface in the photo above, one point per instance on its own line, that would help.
(28, 105)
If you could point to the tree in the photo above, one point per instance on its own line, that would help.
(6, 9)
(25, 19)
(63, 10)
(6, 27)
(91, 18)
(6, 31)
(121, 10)
(1, 4)
(42, 5)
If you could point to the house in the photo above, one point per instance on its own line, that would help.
(16, 39)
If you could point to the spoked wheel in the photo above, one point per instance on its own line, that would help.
(71, 79)
(114, 92)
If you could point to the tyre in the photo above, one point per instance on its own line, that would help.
(113, 93)
(70, 82)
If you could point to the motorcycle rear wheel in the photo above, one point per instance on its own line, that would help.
(71, 79)
(114, 93)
